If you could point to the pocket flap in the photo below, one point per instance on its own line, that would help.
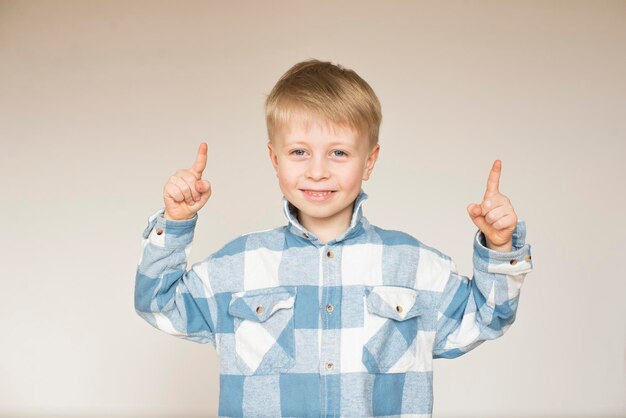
(259, 304)
(395, 302)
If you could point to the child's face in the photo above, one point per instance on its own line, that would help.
(317, 156)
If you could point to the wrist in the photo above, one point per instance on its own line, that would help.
(506, 247)
(169, 218)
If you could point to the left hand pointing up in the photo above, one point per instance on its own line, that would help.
(495, 216)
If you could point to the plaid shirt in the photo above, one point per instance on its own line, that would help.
(347, 328)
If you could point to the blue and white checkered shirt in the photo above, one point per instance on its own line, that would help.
(347, 328)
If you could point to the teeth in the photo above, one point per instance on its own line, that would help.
(319, 194)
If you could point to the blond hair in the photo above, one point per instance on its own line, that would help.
(328, 91)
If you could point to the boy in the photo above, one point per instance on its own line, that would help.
(327, 315)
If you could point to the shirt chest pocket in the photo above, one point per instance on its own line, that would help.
(390, 323)
(264, 329)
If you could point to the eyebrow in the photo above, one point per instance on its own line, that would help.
(332, 144)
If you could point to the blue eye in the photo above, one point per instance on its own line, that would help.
(295, 151)
(342, 152)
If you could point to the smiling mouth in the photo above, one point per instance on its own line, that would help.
(318, 195)
(318, 192)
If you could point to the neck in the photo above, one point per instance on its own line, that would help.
(327, 229)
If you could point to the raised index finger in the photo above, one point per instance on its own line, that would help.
(493, 182)
(200, 164)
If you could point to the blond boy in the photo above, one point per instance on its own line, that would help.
(327, 315)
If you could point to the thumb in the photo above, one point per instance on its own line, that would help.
(474, 210)
(475, 213)
(203, 186)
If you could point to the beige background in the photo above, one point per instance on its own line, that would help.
(101, 100)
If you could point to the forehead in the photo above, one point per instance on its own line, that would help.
(301, 123)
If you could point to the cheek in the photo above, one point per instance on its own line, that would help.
(351, 176)
(285, 184)
(286, 174)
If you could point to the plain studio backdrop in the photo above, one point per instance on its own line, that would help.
(100, 101)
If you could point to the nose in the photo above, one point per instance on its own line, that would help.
(317, 168)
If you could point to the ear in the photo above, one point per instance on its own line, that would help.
(273, 156)
(371, 160)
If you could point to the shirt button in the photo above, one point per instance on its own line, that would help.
(305, 235)
(330, 308)
(527, 258)
(513, 262)
(329, 365)
(399, 309)
(259, 309)
(330, 254)
(159, 231)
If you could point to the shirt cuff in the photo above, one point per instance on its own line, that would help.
(167, 233)
(518, 260)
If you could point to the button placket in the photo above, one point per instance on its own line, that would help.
(330, 308)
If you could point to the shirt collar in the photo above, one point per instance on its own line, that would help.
(357, 222)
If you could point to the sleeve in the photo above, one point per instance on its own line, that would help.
(169, 297)
(472, 311)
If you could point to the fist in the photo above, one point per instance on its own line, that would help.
(495, 216)
(185, 193)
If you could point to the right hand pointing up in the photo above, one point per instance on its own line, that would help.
(185, 192)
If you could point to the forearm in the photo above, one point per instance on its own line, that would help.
(482, 308)
(164, 289)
